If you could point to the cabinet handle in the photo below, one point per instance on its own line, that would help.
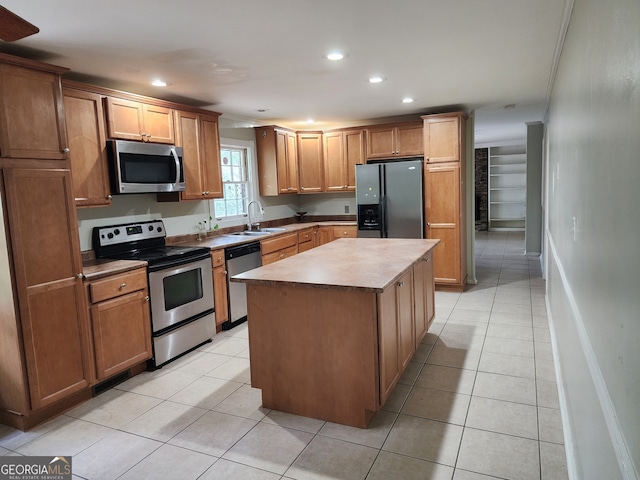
(143, 134)
(225, 272)
(219, 259)
(79, 275)
(65, 150)
(124, 285)
(401, 284)
(109, 197)
(282, 255)
(427, 260)
(146, 299)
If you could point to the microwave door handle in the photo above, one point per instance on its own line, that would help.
(177, 160)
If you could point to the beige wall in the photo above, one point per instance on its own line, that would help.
(593, 236)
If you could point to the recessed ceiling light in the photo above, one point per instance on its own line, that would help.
(159, 83)
(376, 79)
(335, 56)
(407, 100)
(310, 121)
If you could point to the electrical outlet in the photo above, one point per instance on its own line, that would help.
(575, 228)
(346, 209)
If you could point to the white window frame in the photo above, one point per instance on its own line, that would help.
(249, 147)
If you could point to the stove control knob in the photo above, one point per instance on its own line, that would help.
(159, 229)
(117, 231)
(110, 235)
(151, 228)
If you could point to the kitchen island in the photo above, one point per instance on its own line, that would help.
(332, 329)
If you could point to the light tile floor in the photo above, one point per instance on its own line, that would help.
(478, 401)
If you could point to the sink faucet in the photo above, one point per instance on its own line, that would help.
(250, 225)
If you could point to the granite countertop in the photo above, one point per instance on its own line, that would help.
(93, 269)
(369, 264)
(103, 267)
(227, 240)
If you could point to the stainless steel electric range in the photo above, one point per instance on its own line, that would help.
(180, 285)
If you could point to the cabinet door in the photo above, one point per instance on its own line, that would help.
(210, 157)
(87, 144)
(292, 163)
(31, 114)
(406, 326)
(388, 342)
(381, 142)
(121, 333)
(409, 140)
(442, 203)
(158, 124)
(125, 119)
(354, 155)
(220, 294)
(282, 164)
(310, 162)
(420, 301)
(334, 165)
(429, 289)
(442, 139)
(47, 269)
(325, 235)
(188, 137)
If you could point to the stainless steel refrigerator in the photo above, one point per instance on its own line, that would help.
(389, 199)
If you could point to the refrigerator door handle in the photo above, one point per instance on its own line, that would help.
(383, 216)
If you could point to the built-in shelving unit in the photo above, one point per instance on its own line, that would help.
(507, 187)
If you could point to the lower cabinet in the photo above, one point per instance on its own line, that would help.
(279, 248)
(405, 311)
(120, 322)
(307, 239)
(348, 231)
(220, 286)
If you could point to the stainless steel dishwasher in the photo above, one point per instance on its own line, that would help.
(239, 259)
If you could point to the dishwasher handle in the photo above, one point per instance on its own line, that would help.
(241, 250)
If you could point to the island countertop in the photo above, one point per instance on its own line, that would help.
(369, 264)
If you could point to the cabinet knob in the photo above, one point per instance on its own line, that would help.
(143, 134)
(219, 259)
(427, 260)
(225, 272)
(65, 150)
(79, 275)
(109, 197)
(124, 285)
(146, 298)
(282, 255)
(401, 284)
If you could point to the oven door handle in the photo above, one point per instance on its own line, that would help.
(174, 154)
(176, 263)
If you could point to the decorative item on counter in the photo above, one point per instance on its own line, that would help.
(300, 216)
(201, 231)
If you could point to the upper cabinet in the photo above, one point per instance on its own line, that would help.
(31, 112)
(198, 135)
(397, 140)
(130, 120)
(87, 144)
(310, 162)
(343, 150)
(277, 160)
(443, 137)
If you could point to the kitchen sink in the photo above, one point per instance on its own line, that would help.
(272, 230)
(251, 233)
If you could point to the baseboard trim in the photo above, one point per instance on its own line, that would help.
(619, 444)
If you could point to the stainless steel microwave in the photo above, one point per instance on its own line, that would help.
(138, 167)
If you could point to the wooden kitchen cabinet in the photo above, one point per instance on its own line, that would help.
(279, 248)
(445, 215)
(396, 140)
(277, 160)
(45, 337)
(198, 135)
(120, 321)
(131, 120)
(325, 235)
(32, 122)
(444, 137)
(220, 286)
(423, 284)
(343, 150)
(307, 239)
(310, 162)
(345, 231)
(88, 148)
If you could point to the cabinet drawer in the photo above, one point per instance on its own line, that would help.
(284, 241)
(305, 236)
(217, 258)
(118, 285)
(345, 232)
(279, 255)
(304, 246)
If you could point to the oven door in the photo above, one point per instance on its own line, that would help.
(180, 292)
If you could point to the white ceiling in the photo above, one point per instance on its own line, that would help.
(239, 57)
